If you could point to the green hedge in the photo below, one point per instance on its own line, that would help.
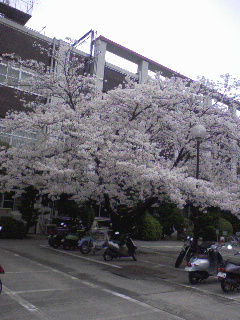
(224, 225)
(209, 233)
(150, 229)
(12, 228)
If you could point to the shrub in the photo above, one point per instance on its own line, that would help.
(12, 228)
(170, 218)
(234, 220)
(224, 225)
(209, 233)
(151, 228)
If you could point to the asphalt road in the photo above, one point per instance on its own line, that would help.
(44, 283)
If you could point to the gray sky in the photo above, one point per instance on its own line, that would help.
(193, 37)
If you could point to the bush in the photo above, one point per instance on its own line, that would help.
(224, 225)
(209, 234)
(12, 228)
(170, 218)
(151, 229)
(234, 220)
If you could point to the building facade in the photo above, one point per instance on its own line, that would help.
(21, 41)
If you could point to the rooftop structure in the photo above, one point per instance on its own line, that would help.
(19, 11)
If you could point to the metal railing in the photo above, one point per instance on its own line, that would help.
(22, 5)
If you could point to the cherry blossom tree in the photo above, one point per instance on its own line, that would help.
(130, 145)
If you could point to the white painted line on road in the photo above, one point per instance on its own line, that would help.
(83, 258)
(34, 291)
(123, 296)
(15, 272)
(142, 304)
(24, 303)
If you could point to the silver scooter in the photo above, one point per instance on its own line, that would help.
(201, 266)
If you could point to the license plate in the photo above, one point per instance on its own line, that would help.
(221, 275)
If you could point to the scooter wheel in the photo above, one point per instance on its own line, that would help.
(226, 287)
(56, 245)
(107, 256)
(50, 242)
(134, 257)
(85, 248)
(180, 258)
(193, 278)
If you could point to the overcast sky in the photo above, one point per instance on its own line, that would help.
(193, 37)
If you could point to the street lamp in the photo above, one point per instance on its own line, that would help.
(198, 132)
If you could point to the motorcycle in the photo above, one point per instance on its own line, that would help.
(71, 240)
(1, 271)
(56, 240)
(67, 240)
(229, 274)
(51, 235)
(187, 250)
(115, 250)
(201, 266)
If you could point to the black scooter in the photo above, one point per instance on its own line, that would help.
(229, 274)
(115, 251)
(187, 252)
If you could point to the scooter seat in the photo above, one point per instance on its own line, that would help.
(202, 256)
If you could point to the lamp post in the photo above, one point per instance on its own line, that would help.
(198, 132)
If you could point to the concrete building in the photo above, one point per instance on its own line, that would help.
(18, 39)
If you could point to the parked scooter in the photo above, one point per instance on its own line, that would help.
(201, 266)
(89, 244)
(1, 271)
(187, 250)
(229, 273)
(115, 251)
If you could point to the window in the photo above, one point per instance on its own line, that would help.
(19, 137)
(14, 75)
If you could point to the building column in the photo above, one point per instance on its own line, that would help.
(143, 71)
(100, 48)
